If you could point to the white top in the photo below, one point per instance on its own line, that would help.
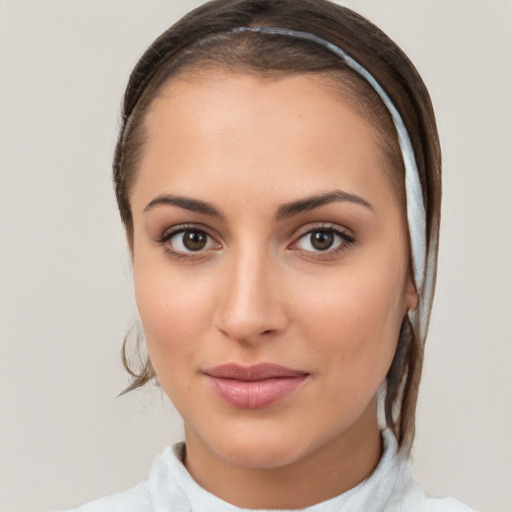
(170, 488)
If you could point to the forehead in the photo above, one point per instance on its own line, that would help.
(292, 134)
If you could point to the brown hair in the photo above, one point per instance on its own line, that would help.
(202, 40)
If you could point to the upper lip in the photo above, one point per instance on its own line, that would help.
(254, 372)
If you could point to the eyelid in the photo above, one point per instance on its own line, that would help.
(347, 240)
(323, 226)
(169, 233)
(179, 228)
(346, 236)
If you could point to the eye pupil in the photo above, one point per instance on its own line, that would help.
(194, 240)
(322, 240)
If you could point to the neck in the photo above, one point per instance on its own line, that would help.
(334, 468)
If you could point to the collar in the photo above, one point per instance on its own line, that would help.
(172, 489)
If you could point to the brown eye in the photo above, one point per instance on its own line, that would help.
(195, 240)
(321, 240)
(189, 240)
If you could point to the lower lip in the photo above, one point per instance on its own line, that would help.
(255, 394)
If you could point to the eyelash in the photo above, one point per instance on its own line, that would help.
(345, 242)
(168, 235)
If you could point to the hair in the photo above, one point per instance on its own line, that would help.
(201, 41)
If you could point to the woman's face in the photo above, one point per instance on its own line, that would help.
(271, 265)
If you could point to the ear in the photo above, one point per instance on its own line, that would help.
(411, 294)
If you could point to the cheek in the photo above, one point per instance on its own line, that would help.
(355, 322)
(174, 308)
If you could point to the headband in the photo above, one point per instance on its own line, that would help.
(423, 265)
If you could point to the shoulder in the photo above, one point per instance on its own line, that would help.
(446, 505)
(161, 489)
(136, 499)
(414, 499)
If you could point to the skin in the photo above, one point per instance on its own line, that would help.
(259, 291)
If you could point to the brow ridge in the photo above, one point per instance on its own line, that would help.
(315, 201)
(284, 211)
(186, 203)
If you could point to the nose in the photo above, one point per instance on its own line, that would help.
(251, 306)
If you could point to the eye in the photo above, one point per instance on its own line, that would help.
(188, 240)
(326, 240)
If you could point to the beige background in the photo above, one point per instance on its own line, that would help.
(65, 280)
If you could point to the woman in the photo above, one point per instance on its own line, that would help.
(278, 176)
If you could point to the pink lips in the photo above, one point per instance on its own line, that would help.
(254, 387)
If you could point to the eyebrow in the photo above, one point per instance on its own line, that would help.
(312, 202)
(284, 211)
(186, 203)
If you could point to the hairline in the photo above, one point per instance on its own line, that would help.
(342, 82)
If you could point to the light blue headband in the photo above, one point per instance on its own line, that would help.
(423, 266)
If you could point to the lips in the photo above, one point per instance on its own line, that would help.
(254, 387)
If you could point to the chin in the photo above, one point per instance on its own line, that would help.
(266, 446)
(259, 455)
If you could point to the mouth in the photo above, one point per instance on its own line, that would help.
(256, 386)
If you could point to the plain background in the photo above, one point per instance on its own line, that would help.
(65, 278)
